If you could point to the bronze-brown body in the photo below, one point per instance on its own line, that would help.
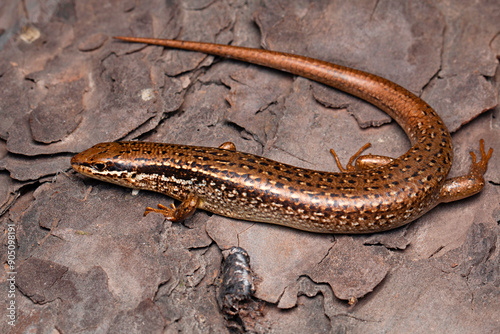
(375, 196)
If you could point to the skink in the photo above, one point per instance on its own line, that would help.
(372, 194)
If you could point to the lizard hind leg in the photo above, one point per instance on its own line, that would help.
(464, 186)
(362, 162)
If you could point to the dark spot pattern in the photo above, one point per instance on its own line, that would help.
(246, 186)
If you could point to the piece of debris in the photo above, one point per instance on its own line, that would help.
(236, 299)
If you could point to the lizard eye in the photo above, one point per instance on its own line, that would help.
(99, 166)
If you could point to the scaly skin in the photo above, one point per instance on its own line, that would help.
(377, 194)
